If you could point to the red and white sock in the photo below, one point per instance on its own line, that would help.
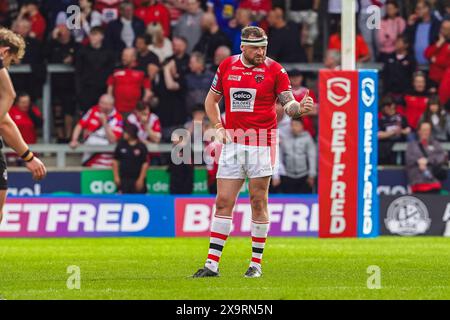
(259, 236)
(220, 230)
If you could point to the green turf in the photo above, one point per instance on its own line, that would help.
(411, 268)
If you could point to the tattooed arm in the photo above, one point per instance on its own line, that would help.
(293, 108)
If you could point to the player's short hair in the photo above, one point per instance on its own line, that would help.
(253, 32)
(14, 41)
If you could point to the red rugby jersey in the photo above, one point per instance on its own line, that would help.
(250, 93)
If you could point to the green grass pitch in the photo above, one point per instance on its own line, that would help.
(294, 268)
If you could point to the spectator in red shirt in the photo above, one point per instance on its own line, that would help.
(101, 125)
(362, 53)
(109, 9)
(151, 11)
(127, 83)
(30, 12)
(439, 55)
(416, 101)
(27, 117)
(148, 124)
(259, 8)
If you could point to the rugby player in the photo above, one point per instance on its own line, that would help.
(12, 49)
(250, 83)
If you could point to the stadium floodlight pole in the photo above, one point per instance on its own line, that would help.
(348, 34)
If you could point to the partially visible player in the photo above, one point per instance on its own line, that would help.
(12, 49)
(250, 83)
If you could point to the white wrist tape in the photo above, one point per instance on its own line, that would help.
(288, 105)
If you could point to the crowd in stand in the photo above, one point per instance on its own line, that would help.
(150, 63)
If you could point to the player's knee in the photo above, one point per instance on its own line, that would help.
(258, 203)
(224, 205)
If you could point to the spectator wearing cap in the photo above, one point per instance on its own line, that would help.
(127, 83)
(130, 163)
(392, 128)
(30, 11)
(284, 40)
(212, 37)
(93, 64)
(122, 32)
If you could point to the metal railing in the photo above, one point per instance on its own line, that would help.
(400, 147)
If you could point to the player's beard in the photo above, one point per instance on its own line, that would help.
(257, 60)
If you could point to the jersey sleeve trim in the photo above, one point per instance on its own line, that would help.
(216, 91)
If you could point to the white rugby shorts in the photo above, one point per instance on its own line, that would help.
(239, 161)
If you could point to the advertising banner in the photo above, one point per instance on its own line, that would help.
(348, 153)
(290, 216)
(106, 216)
(22, 184)
(414, 215)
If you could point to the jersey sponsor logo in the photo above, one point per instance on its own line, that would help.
(233, 77)
(247, 73)
(368, 91)
(237, 68)
(338, 91)
(259, 70)
(242, 99)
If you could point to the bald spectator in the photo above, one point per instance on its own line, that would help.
(100, 126)
(30, 11)
(127, 83)
(284, 40)
(220, 54)
(122, 32)
(332, 60)
(189, 24)
(212, 37)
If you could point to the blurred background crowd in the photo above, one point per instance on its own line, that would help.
(150, 63)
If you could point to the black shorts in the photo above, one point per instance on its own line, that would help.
(3, 172)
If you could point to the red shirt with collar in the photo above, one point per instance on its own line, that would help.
(127, 86)
(441, 63)
(91, 121)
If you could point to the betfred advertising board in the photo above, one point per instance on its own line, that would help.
(105, 216)
(289, 216)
